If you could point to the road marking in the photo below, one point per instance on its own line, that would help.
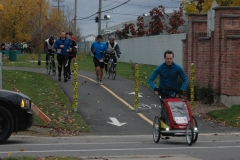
(110, 143)
(115, 122)
(121, 149)
(119, 98)
(146, 106)
(139, 94)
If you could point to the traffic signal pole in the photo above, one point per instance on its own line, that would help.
(99, 17)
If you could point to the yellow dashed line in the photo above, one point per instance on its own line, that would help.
(119, 98)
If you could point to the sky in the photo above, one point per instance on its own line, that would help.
(129, 11)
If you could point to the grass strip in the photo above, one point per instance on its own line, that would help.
(229, 117)
(49, 97)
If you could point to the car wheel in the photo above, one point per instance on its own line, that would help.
(6, 124)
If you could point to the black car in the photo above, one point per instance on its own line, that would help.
(15, 113)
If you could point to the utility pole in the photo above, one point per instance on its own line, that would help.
(40, 28)
(99, 17)
(75, 19)
(58, 6)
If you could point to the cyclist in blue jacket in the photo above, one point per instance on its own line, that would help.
(169, 73)
(98, 48)
(62, 45)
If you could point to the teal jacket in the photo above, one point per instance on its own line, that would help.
(168, 78)
(98, 48)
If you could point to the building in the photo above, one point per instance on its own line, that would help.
(89, 38)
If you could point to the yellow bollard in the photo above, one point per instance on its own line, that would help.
(192, 86)
(75, 87)
(136, 86)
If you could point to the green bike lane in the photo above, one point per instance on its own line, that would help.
(109, 109)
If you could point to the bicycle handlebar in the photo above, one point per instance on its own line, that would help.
(178, 91)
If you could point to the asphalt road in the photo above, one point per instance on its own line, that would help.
(208, 147)
(119, 130)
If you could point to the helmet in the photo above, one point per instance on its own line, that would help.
(51, 37)
(111, 37)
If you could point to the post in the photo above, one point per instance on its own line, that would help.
(75, 18)
(0, 70)
(75, 89)
(192, 86)
(85, 47)
(136, 87)
(99, 17)
(40, 39)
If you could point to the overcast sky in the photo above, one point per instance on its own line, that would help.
(133, 9)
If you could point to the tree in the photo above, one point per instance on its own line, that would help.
(127, 31)
(140, 27)
(203, 6)
(176, 21)
(157, 23)
(26, 20)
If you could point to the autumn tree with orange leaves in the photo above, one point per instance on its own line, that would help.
(140, 27)
(20, 20)
(157, 23)
(202, 6)
(176, 21)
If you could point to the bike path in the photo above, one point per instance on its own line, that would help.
(115, 101)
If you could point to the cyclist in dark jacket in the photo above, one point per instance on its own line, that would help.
(113, 49)
(62, 45)
(49, 49)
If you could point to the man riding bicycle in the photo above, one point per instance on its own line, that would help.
(49, 49)
(113, 49)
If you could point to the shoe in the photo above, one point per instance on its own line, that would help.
(69, 77)
(59, 78)
(65, 79)
(100, 82)
(97, 80)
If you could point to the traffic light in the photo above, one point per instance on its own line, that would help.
(96, 19)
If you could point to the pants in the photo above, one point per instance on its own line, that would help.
(69, 65)
(62, 62)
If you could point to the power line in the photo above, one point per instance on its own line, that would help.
(138, 5)
(110, 4)
(104, 11)
(125, 14)
(116, 6)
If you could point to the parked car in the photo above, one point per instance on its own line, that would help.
(15, 113)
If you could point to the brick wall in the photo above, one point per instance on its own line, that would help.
(216, 58)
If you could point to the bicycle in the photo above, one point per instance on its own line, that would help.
(50, 65)
(111, 70)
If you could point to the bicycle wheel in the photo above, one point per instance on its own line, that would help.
(53, 68)
(109, 68)
(189, 134)
(156, 129)
(195, 125)
(48, 67)
(113, 71)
